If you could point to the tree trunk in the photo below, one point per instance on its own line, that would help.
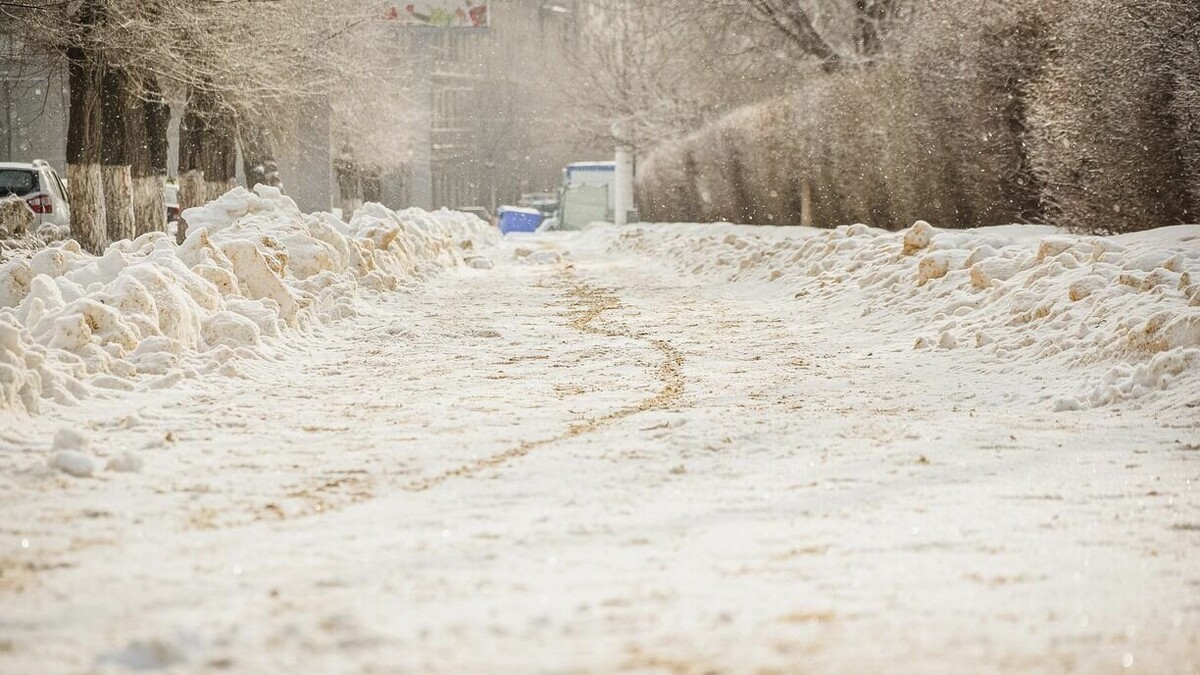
(192, 130)
(806, 205)
(349, 183)
(150, 204)
(258, 155)
(88, 221)
(372, 184)
(220, 153)
(150, 160)
(117, 105)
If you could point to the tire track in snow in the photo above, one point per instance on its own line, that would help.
(596, 302)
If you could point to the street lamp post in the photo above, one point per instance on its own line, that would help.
(623, 197)
(623, 202)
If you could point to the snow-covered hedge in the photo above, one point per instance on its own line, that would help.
(1083, 113)
(1123, 312)
(148, 313)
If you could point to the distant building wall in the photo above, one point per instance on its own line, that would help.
(419, 173)
(306, 159)
(497, 130)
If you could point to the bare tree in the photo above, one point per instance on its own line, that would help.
(150, 158)
(248, 63)
(662, 68)
(793, 20)
(837, 33)
(119, 107)
(84, 176)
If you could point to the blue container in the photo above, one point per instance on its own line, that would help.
(520, 220)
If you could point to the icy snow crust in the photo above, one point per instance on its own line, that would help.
(1121, 312)
(149, 313)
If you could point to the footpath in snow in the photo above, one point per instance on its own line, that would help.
(400, 444)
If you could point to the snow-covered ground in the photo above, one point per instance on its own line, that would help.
(675, 449)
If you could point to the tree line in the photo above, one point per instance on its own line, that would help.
(238, 74)
(1083, 113)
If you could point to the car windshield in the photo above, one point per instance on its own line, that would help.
(17, 182)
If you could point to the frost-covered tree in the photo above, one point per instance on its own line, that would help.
(835, 32)
(375, 113)
(646, 71)
(241, 69)
(658, 69)
(971, 113)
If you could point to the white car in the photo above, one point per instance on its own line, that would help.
(41, 187)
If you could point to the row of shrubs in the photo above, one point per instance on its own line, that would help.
(1084, 113)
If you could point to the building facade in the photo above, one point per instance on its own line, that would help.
(498, 123)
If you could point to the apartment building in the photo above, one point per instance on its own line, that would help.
(497, 117)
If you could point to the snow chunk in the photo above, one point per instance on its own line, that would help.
(480, 263)
(1124, 382)
(74, 463)
(126, 462)
(986, 273)
(918, 237)
(155, 654)
(546, 258)
(71, 439)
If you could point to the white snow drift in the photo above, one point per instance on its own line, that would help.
(148, 313)
(1123, 312)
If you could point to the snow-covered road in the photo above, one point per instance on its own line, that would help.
(601, 464)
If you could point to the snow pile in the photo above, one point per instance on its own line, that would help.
(1123, 311)
(148, 313)
(16, 218)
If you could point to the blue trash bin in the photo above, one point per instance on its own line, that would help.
(519, 220)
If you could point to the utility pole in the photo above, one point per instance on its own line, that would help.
(7, 57)
(623, 202)
(8, 131)
(623, 199)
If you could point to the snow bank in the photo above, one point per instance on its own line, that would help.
(1123, 312)
(148, 312)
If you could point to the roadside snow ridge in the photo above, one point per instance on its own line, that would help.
(148, 313)
(1123, 313)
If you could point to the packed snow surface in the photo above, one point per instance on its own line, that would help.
(401, 444)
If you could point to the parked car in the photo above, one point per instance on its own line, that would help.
(41, 187)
